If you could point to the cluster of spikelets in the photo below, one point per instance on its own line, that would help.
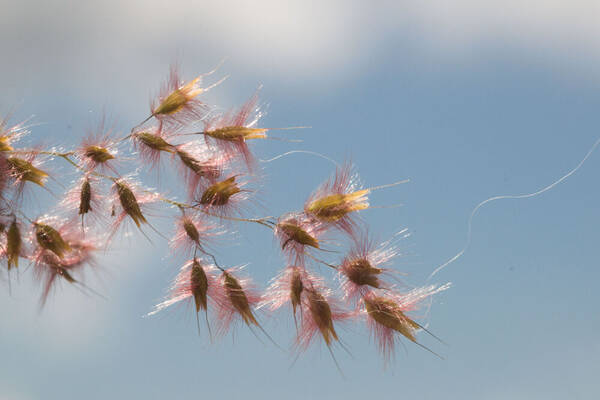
(212, 155)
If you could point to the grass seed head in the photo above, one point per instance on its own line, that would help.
(23, 170)
(238, 299)
(50, 239)
(199, 286)
(129, 203)
(14, 244)
(219, 193)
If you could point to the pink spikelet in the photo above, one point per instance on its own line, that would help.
(229, 132)
(241, 301)
(288, 287)
(129, 202)
(98, 151)
(386, 316)
(199, 166)
(335, 202)
(60, 252)
(297, 233)
(224, 197)
(85, 202)
(151, 143)
(363, 268)
(13, 244)
(23, 168)
(197, 282)
(177, 103)
(193, 233)
(319, 313)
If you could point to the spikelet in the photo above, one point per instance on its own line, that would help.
(336, 200)
(97, 150)
(129, 202)
(319, 311)
(50, 239)
(241, 299)
(296, 233)
(23, 170)
(386, 316)
(229, 132)
(150, 143)
(48, 266)
(178, 104)
(84, 202)
(14, 244)
(192, 233)
(363, 268)
(199, 166)
(224, 197)
(289, 287)
(197, 281)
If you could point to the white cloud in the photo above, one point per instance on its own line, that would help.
(73, 40)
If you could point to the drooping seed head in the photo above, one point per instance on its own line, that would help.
(199, 286)
(129, 203)
(361, 272)
(97, 154)
(50, 239)
(320, 312)
(153, 141)
(295, 233)
(238, 299)
(219, 193)
(14, 244)
(334, 207)
(23, 170)
(85, 197)
(296, 288)
(389, 314)
(179, 98)
(190, 230)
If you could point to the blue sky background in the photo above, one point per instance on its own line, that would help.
(466, 100)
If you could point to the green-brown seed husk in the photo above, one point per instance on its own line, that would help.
(24, 170)
(85, 197)
(334, 207)
(98, 154)
(388, 313)
(219, 193)
(321, 315)
(191, 230)
(296, 288)
(297, 234)
(153, 141)
(130, 204)
(190, 162)
(174, 102)
(238, 298)
(199, 283)
(361, 272)
(236, 133)
(13, 245)
(50, 239)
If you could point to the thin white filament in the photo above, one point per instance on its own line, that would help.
(520, 196)
(301, 151)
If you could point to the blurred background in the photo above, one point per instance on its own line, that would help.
(467, 99)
